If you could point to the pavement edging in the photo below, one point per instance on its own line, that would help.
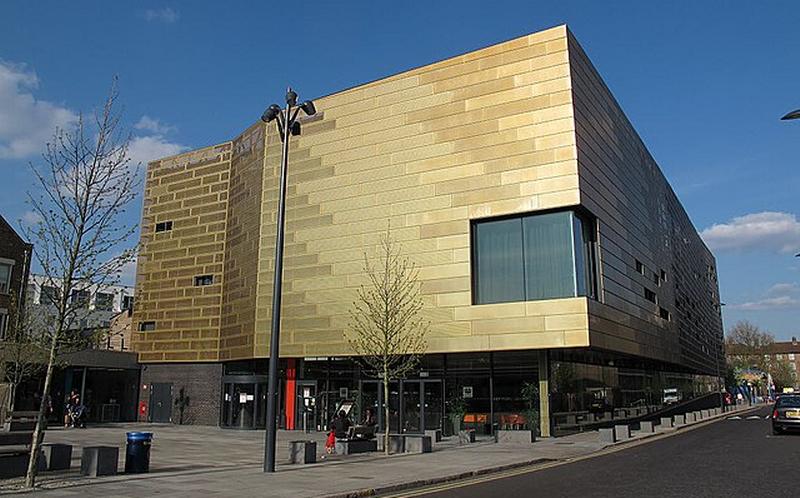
(405, 486)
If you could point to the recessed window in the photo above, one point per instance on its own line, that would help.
(147, 326)
(639, 267)
(5, 276)
(540, 256)
(663, 276)
(3, 323)
(203, 280)
(49, 295)
(127, 302)
(164, 226)
(104, 301)
(656, 279)
(663, 313)
(649, 295)
(80, 298)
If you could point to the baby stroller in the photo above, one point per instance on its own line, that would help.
(77, 416)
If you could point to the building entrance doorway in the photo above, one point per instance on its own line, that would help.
(161, 402)
(415, 405)
(244, 401)
(307, 406)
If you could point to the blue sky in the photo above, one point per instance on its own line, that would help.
(704, 83)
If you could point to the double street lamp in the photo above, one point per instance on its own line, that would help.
(789, 116)
(287, 124)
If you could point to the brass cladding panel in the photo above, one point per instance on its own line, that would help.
(191, 191)
(488, 133)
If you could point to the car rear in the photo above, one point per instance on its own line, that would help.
(786, 414)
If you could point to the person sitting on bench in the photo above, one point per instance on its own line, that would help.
(340, 425)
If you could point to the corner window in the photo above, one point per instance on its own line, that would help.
(147, 326)
(5, 275)
(203, 280)
(538, 256)
(164, 226)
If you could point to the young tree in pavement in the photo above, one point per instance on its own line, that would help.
(387, 331)
(83, 187)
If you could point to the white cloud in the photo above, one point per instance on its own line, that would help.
(768, 230)
(145, 149)
(26, 123)
(165, 15)
(153, 125)
(779, 296)
(31, 217)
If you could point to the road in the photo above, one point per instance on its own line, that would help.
(729, 458)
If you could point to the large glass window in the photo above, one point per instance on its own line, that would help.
(540, 256)
(5, 277)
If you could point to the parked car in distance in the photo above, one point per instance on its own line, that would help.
(671, 395)
(786, 413)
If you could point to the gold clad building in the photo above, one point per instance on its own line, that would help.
(551, 250)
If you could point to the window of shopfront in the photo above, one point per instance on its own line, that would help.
(539, 256)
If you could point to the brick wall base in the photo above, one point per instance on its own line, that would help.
(202, 384)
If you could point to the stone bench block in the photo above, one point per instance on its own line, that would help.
(466, 437)
(99, 461)
(418, 444)
(680, 420)
(666, 422)
(705, 413)
(622, 432)
(435, 434)
(690, 417)
(304, 451)
(647, 427)
(516, 437)
(396, 443)
(607, 436)
(57, 456)
(356, 446)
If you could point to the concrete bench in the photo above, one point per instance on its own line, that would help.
(705, 413)
(466, 437)
(57, 456)
(418, 443)
(353, 446)
(99, 461)
(15, 453)
(647, 427)
(666, 422)
(680, 420)
(304, 451)
(622, 432)
(396, 443)
(607, 435)
(435, 434)
(690, 417)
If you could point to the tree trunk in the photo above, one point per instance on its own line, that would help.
(30, 477)
(12, 396)
(386, 410)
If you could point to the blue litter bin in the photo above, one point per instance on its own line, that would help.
(137, 452)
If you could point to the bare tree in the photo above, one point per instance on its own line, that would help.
(387, 331)
(84, 186)
(21, 351)
(747, 346)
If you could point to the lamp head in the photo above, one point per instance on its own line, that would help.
(792, 115)
(308, 108)
(271, 113)
(291, 97)
(295, 130)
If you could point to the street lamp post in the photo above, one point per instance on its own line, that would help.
(287, 124)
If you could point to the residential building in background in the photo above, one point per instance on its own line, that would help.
(15, 262)
(105, 375)
(551, 250)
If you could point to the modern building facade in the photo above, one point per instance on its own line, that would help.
(551, 251)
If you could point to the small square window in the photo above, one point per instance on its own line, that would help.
(164, 226)
(663, 313)
(147, 326)
(656, 279)
(639, 267)
(203, 280)
(649, 295)
(5, 277)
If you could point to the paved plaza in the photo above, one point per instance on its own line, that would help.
(190, 461)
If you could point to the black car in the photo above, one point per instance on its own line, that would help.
(786, 414)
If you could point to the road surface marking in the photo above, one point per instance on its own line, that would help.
(735, 418)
